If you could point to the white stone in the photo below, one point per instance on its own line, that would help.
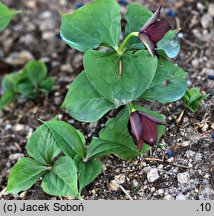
(183, 178)
(185, 143)
(207, 21)
(198, 156)
(160, 191)
(120, 178)
(168, 197)
(211, 10)
(153, 175)
(170, 160)
(19, 127)
(19, 58)
(114, 186)
(205, 127)
(181, 197)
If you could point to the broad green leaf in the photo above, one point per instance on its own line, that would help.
(99, 148)
(46, 85)
(114, 139)
(24, 174)
(170, 44)
(161, 128)
(7, 98)
(42, 146)
(91, 25)
(62, 178)
(67, 138)
(169, 83)
(6, 15)
(138, 70)
(136, 16)
(36, 72)
(84, 103)
(10, 80)
(88, 171)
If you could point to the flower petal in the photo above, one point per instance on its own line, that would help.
(150, 131)
(136, 126)
(148, 43)
(152, 118)
(157, 30)
(152, 20)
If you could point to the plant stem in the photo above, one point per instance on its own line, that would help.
(123, 45)
(131, 106)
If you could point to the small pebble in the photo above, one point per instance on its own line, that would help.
(79, 5)
(19, 127)
(210, 77)
(19, 58)
(170, 153)
(152, 189)
(207, 21)
(183, 178)
(120, 178)
(198, 157)
(114, 186)
(205, 127)
(211, 10)
(170, 160)
(123, 2)
(168, 197)
(153, 175)
(185, 143)
(181, 197)
(171, 13)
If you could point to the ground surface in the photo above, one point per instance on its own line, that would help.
(189, 174)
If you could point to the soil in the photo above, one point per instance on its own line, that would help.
(187, 174)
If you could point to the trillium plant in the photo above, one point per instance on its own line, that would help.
(121, 72)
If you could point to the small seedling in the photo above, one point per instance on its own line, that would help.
(193, 98)
(29, 83)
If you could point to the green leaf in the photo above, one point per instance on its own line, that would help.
(84, 103)
(136, 16)
(7, 98)
(88, 171)
(169, 84)
(26, 89)
(62, 178)
(138, 70)
(114, 139)
(24, 174)
(193, 98)
(67, 138)
(161, 128)
(42, 146)
(10, 81)
(91, 25)
(170, 44)
(6, 15)
(36, 72)
(46, 85)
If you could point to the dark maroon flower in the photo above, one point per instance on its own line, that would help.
(144, 128)
(153, 31)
